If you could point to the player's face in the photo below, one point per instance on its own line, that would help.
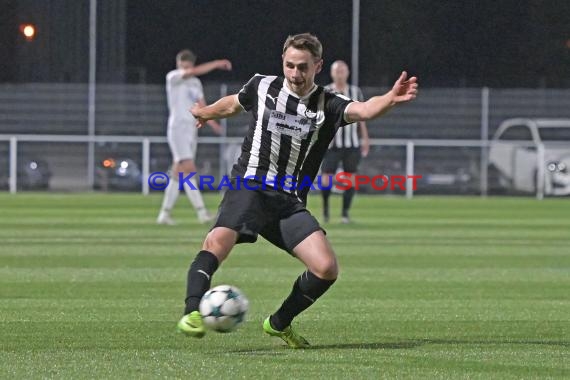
(339, 73)
(184, 65)
(300, 68)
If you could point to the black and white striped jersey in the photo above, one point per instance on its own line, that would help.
(288, 135)
(347, 137)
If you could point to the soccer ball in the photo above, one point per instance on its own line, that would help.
(223, 308)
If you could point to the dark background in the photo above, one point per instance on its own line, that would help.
(447, 43)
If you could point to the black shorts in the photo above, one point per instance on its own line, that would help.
(279, 217)
(350, 158)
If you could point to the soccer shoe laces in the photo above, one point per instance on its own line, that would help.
(293, 339)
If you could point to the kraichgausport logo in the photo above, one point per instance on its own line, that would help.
(341, 181)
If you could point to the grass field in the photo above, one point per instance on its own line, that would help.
(455, 288)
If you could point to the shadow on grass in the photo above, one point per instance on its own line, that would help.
(369, 346)
(561, 343)
(281, 350)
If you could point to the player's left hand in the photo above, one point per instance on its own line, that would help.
(405, 89)
(218, 129)
(364, 147)
(200, 121)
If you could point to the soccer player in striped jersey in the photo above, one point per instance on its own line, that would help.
(346, 146)
(292, 124)
(183, 90)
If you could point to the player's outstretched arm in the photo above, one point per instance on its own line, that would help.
(227, 106)
(403, 91)
(205, 68)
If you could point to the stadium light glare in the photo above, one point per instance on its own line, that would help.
(28, 31)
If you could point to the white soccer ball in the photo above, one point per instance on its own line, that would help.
(223, 308)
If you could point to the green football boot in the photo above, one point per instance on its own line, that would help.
(192, 325)
(288, 335)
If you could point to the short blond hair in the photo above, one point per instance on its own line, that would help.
(186, 55)
(305, 41)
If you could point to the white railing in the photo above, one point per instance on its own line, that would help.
(146, 141)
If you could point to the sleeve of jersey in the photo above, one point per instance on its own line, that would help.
(247, 96)
(335, 107)
(201, 89)
(174, 76)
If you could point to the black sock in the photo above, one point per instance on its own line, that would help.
(199, 279)
(347, 200)
(326, 193)
(306, 290)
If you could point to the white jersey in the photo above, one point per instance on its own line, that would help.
(181, 95)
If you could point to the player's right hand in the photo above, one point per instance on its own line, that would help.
(224, 64)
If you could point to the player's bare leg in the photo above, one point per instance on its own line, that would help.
(215, 249)
(171, 194)
(185, 167)
(322, 270)
(326, 193)
(347, 196)
(194, 195)
(318, 256)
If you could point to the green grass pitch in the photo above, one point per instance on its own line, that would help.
(434, 287)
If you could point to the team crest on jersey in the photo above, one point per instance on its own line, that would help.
(310, 114)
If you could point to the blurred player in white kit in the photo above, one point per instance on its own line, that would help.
(183, 91)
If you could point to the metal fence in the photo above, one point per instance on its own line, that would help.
(443, 136)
